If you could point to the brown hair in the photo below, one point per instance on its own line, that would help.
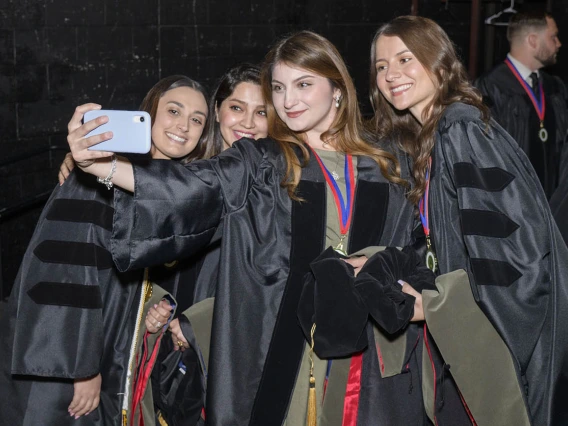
(152, 99)
(315, 53)
(521, 23)
(434, 50)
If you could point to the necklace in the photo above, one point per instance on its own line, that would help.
(334, 173)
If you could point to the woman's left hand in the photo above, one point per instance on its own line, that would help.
(158, 316)
(356, 262)
(86, 396)
(418, 309)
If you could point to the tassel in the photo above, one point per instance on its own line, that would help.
(312, 418)
(312, 410)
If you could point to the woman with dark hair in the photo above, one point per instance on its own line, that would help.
(238, 107)
(494, 346)
(277, 203)
(75, 350)
(240, 111)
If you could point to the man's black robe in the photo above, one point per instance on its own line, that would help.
(267, 244)
(512, 108)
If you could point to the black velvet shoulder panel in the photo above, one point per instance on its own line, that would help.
(82, 211)
(66, 294)
(74, 253)
(491, 179)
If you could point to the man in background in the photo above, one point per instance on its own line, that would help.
(529, 103)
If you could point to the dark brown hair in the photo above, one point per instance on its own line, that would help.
(526, 21)
(152, 99)
(243, 73)
(316, 54)
(434, 50)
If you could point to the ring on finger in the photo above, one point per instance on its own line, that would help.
(180, 343)
(158, 324)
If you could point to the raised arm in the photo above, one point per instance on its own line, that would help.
(97, 163)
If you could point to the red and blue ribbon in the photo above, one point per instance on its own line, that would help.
(423, 205)
(344, 207)
(539, 104)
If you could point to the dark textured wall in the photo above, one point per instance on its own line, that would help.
(56, 54)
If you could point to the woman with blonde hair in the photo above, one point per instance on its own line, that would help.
(277, 203)
(493, 346)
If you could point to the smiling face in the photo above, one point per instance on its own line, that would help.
(303, 100)
(242, 114)
(179, 123)
(401, 78)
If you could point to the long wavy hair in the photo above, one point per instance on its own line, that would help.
(312, 52)
(243, 73)
(152, 99)
(434, 50)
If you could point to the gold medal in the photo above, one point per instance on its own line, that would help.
(339, 247)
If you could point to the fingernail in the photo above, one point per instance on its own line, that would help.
(76, 417)
(400, 282)
(155, 306)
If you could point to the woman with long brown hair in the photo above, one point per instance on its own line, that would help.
(267, 200)
(492, 345)
(74, 337)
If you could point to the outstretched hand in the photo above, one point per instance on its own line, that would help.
(78, 143)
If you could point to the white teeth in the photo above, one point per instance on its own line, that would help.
(175, 137)
(401, 88)
(244, 135)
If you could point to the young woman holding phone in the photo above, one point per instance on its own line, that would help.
(269, 199)
(75, 336)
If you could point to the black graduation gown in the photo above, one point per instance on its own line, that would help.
(559, 200)
(71, 314)
(267, 244)
(489, 218)
(512, 108)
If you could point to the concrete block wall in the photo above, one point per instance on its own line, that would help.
(56, 54)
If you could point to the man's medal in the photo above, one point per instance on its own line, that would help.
(539, 104)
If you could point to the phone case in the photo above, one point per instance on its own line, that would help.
(132, 131)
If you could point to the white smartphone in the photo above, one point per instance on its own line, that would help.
(132, 131)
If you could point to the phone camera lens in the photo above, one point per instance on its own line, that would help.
(142, 119)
